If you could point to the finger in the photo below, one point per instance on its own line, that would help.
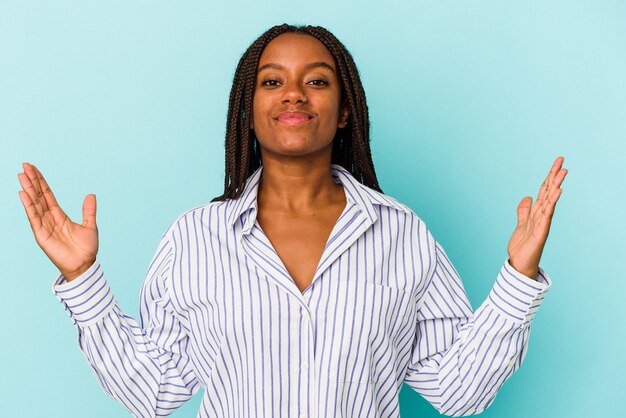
(523, 210)
(27, 186)
(546, 186)
(31, 212)
(554, 190)
(89, 211)
(544, 190)
(31, 172)
(548, 210)
(49, 198)
(558, 179)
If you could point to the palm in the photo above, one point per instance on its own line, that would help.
(533, 222)
(70, 246)
(62, 239)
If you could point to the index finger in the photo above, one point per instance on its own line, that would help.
(45, 189)
(544, 190)
(33, 217)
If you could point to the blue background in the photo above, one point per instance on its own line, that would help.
(470, 102)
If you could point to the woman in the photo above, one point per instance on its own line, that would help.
(302, 290)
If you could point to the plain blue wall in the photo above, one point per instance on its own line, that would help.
(470, 102)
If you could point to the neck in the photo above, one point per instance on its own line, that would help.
(297, 185)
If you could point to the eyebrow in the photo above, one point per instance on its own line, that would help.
(319, 64)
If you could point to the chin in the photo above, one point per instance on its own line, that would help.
(296, 146)
(294, 151)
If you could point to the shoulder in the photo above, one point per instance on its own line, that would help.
(364, 195)
(212, 214)
(403, 213)
(384, 201)
(381, 199)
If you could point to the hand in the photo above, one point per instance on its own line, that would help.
(533, 223)
(71, 247)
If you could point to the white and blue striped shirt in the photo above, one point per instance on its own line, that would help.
(220, 311)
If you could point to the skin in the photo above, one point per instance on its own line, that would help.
(298, 202)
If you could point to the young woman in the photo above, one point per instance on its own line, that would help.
(302, 291)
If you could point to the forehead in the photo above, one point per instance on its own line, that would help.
(290, 47)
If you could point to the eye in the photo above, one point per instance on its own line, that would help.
(269, 82)
(318, 82)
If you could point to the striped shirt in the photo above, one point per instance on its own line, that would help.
(219, 311)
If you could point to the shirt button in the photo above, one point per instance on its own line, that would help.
(304, 367)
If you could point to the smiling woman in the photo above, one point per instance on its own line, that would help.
(303, 290)
(350, 143)
(296, 106)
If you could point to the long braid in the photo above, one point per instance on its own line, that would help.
(351, 147)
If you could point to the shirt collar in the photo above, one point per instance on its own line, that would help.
(356, 193)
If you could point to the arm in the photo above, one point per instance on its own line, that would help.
(459, 360)
(144, 367)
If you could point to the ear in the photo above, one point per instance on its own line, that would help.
(343, 115)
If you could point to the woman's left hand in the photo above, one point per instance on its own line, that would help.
(533, 223)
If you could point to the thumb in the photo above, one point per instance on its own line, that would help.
(89, 211)
(523, 210)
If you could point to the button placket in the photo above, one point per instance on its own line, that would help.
(306, 362)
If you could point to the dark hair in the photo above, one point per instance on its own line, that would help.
(351, 148)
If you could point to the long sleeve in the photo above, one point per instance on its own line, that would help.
(460, 359)
(144, 367)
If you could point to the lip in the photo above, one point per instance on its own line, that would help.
(294, 118)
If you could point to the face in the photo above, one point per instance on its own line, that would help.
(296, 107)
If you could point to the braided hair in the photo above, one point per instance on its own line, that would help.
(351, 148)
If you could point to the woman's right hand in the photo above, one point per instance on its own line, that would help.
(70, 246)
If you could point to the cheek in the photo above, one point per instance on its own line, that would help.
(261, 109)
(329, 115)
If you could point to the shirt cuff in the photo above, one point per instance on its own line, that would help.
(87, 298)
(517, 296)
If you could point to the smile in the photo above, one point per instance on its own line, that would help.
(294, 118)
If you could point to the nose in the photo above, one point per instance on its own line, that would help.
(294, 94)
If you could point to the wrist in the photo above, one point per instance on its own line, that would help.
(71, 275)
(531, 273)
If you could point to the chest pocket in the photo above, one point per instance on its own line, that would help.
(360, 329)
